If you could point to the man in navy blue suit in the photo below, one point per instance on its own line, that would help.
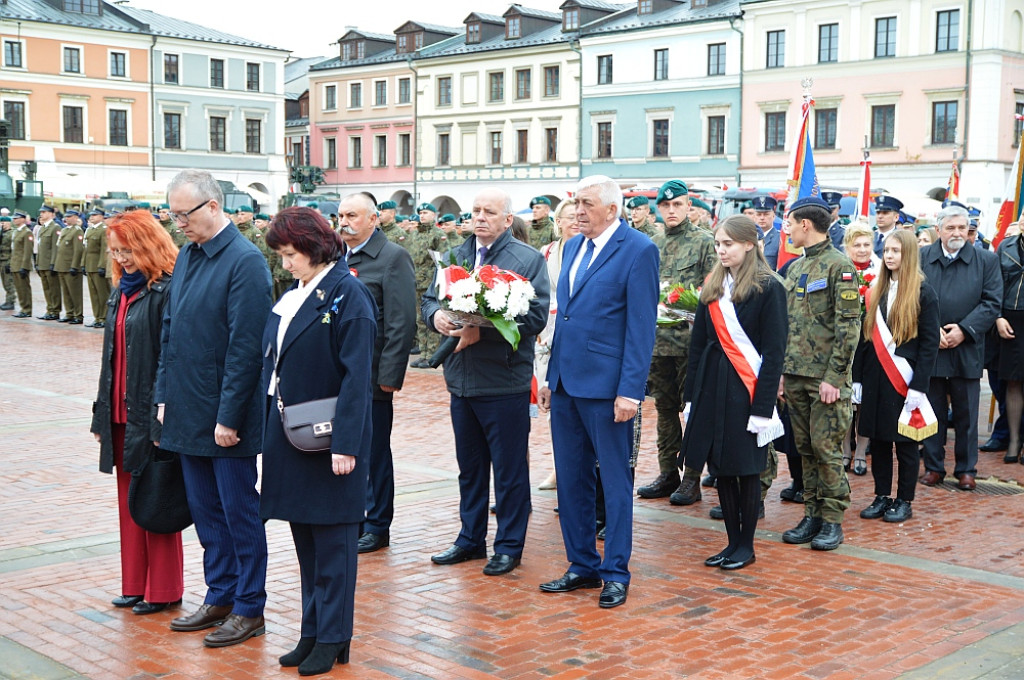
(600, 355)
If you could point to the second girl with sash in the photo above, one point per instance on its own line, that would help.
(736, 351)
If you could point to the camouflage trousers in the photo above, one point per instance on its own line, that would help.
(819, 430)
(665, 382)
(426, 339)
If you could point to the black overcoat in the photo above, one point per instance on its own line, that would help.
(327, 351)
(881, 404)
(142, 325)
(716, 431)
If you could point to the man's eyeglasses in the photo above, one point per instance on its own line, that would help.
(182, 218)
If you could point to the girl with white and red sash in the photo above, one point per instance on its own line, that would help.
(901, 332)
(736, 351)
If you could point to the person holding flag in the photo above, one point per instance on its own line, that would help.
(897, 357)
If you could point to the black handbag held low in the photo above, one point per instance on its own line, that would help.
(156, 495)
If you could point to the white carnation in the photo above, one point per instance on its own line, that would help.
(497, 297)
(464, 294)
(519, 297)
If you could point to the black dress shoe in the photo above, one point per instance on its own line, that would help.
(153, 607)
(804, 532)
(569, 582)
(709, 480)
(501, 564)
(22, 315)
(99, 324)
(456, 554)
(370, 542)
(716, 512)
(792, 494)
(125, 601)
(877, 509)
(661, 487)
(75, 322)
(731, 564)
(414, 350)
(420, 363)
(829, 538)
(899, 511)
(716, 560)
(235, 629)
(993, 444)
(613, 594)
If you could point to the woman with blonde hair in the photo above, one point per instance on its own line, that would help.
(737, 347)
(901, 341)
(124, 420)
(859, 244)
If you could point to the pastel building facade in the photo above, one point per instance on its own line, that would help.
(916, 83)
(661, 93)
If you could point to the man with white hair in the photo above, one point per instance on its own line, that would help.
(970, 289)
(600, 355)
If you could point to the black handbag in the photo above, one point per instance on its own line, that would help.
(308, 426)
(156, 495)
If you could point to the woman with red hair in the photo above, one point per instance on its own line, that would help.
(124, 421)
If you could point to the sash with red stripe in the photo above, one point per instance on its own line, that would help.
(920, 423)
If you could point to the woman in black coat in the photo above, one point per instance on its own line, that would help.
(724, 418)
(911, 310)
(124, 421)
(1010, 326)
(318, 344)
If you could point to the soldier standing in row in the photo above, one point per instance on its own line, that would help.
(386, 210)
(640, 215)
(426, 238)
(46, 248)
(170, 226)
(836, 230)
(687, 257)
(700, 214)
(6, 239)
(94, 261)
(824, 314)
(21, 263)
(542, 227)
(67, 263)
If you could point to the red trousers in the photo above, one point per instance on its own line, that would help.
(152, 565)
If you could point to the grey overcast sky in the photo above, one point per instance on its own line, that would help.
(307, 27)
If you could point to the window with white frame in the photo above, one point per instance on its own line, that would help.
(14, 53)
(117, 127)
(118, 64)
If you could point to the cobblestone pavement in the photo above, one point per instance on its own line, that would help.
(941, 596)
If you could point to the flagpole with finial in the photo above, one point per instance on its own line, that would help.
(863, 208)
(803, 180)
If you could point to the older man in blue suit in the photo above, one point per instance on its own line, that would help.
(600, 355)
(210, 405)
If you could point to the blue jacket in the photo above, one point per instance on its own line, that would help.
(218, 302)
(604, 333)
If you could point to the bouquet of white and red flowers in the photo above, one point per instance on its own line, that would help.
(677, 303)
(486, 296)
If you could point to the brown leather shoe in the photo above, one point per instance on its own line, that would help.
(205, 617)
(966, 482)
(931, 478)
(234, 630)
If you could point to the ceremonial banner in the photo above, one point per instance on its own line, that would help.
(863, 207)
(953, 185)
(803, 179)
(1009, 211)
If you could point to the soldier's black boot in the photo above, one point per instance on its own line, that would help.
(803, 532)
(688, 492)
(663, 486)
(829, 538)
(878, 507)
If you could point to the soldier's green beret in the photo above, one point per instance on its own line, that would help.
(700, 204)
(163, 206)
(448, 217)
(244, 209)
(229, 211)
(314, 205)
(143, 205)
(414, 218)
(262, 216)
(673, 188)
(426, 206)
(4, 218)
(746, 205)
(541, 200)
(637, 201)
(387, 205)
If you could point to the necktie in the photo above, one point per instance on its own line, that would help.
(581, 271)
(483, 253)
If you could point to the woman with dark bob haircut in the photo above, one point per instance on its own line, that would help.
(319, 344)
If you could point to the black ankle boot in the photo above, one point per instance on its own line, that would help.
(322, 658)
(299, 654)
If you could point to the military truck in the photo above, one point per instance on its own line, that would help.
(22, 194)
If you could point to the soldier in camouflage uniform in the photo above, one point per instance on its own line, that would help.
(170, 226)
(94, 262)
(386, 213)
(247, 228)
(700, 214)
(687, 257)
(6, 243)
(46, 242)
(447, 225)
(425, 238)
(542, 228)
(640, 217)
(67, 262)
(21, 263)
(824, 323)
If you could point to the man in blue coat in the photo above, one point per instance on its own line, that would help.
(489, 384)
(764, 217)
(207, 395)
(600, 355)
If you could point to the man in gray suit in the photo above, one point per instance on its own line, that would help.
(970, 289)
(386, 269)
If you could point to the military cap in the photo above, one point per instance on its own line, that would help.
(244, 208)
(229, 211)
(4, 218)
(805, 202)
(905, 218)
(414, 218)
(950, 202)
(831, 197)
(72, 212)
(637, 201)
(766, 204)
(973, 212)
(888, 203)
(163, 206)
(671, 189)
(387, 205)
(447, 217)
(466, 216)
(541, 200)
(313, 204)
(143, 205)
(426, 206)
(972, 225)
(700, 204)
(746, 205)
(261, 216)
(46, 208)
(94, 211)
(20, 213)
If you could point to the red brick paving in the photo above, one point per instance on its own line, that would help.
(794, 614)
